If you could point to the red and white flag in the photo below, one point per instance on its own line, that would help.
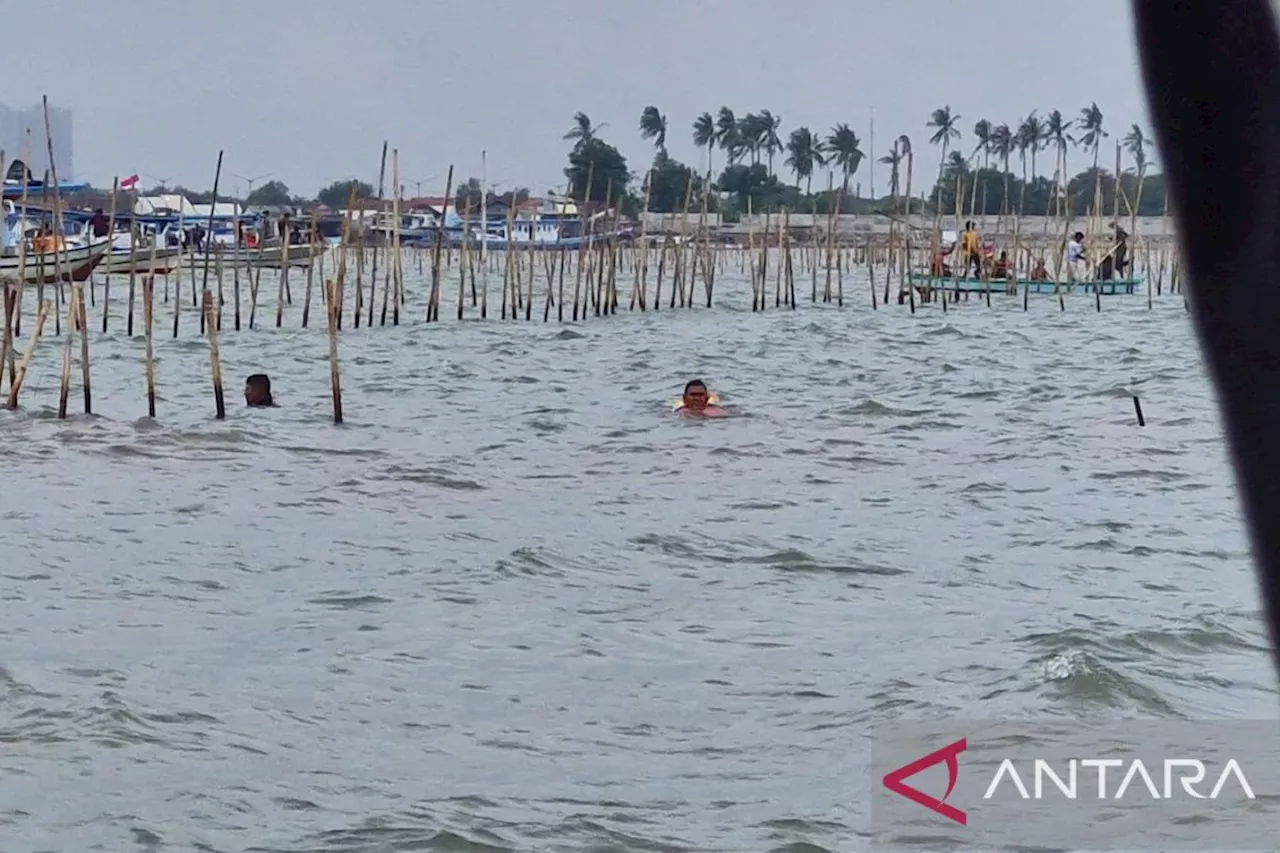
(129, 182)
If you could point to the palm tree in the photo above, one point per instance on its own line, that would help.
(751, 135)
(956, 172)
(653, 125)
(1002, 146)
(944, 123)
(1056, 135)
(1027, 141)
(1032, 133)
(892, 159)
(727, 134)
(704, 135)
(1136, 142)
(582, 131)
(769, 124)
(1091, 124)
(982, 132)
(904, 146)
(844, 144)
(804, 151)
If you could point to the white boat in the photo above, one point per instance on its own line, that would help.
(76, 263)
(144, 260)
(74, 260)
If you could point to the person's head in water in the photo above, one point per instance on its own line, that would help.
(257, 390)
(696, 396)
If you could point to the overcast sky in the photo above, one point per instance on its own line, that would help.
(306, 91)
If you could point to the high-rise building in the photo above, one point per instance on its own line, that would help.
(14, 124)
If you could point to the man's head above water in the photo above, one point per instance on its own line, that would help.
(257, 390)
(696, 395)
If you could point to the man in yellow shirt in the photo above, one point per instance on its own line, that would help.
(970, 251)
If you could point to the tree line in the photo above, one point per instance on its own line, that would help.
(751, 143)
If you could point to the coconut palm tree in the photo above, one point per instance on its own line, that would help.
(904, 147)
(1003, 146)
(1031, 135)
(944, 122)
(956, 172)
(1091, 124)
(727, 134)
(1136, 142)
(582, 131)
(1057, 137)
(770, 142)
(892, 159)
(982, 132)
(804, 152)
(844, 144)
(751, 135)
(653, 125)
(704, 135)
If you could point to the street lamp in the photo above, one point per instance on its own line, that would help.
(250, 182)
(163, 182)
(418, 182)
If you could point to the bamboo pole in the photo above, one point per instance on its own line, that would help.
(373, 275)
(83, 322)
(148, 310)
(15, 384)
(215, 360)
(393, 256)
(334, 380)
(111, 237)
(64, 388)
(433, 298)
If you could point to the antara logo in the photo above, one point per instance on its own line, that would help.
(894, 780)
(1188, 773)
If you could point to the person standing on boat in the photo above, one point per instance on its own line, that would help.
(1121, 251)
(1077, 261)
(100, 225)
(970, 251)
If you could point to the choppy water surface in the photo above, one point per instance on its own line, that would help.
(514, 604)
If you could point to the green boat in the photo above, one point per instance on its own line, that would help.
(1112, 287)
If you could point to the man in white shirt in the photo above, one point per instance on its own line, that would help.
(1077, 263)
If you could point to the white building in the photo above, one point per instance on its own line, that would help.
(14, 124)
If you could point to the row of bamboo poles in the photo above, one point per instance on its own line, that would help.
(598, 271)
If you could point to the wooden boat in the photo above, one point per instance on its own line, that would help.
(267, 257)
(75, 262)
(1113, 287)
(121, 261)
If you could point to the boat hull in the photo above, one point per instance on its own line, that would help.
(76, 264)
(166, 260)
(301, 255)
(1115, 287)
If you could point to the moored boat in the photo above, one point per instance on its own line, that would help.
(263, 257)
(163, 261)
(75, 263)
(1104, 287)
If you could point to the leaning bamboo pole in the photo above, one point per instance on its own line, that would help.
(15, 384)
